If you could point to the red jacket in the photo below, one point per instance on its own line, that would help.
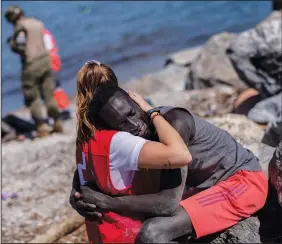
(51, 46)
(93, 157)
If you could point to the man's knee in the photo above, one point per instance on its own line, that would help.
(148, 234)
(48, 96)
(48, 84)
(30, 92)
(30, 95)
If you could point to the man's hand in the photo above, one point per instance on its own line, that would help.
(86, 210)
(96, 199)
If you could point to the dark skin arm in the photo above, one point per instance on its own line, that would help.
(163, 203)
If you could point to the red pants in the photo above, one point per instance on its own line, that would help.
(226, 203)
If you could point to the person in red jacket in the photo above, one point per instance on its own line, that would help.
(59, 94)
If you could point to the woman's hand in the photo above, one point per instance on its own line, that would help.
(140, 101)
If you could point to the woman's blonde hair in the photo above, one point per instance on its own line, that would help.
(89, 77)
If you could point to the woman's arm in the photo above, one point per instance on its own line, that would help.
(163, 203)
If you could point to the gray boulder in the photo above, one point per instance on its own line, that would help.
(169, 79)
(256, 55)
(212, 66)
(273, 133)
(203, 102)
(184, 57)
(246, 231)
(245, 131)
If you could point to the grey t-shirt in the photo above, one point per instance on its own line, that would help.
(216, 154)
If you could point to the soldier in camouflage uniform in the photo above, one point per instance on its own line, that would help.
(27, 41)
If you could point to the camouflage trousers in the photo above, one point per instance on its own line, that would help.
(37, 82)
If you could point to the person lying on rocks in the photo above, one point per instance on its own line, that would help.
(226, 179)
(256, 56)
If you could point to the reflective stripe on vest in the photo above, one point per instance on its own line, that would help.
(94, 156)
(97, 158)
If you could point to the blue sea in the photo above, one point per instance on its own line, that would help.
(132, 37)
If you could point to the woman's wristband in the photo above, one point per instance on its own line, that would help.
(154, 115)
(150, 111)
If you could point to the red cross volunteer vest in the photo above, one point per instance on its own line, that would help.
(93, 163)
(53, 51)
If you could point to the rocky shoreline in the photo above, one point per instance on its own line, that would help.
(40, 171)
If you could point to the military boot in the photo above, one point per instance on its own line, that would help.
(58, 127)
(43, 130)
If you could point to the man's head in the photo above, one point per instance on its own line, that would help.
(112, 108)
(13, 14)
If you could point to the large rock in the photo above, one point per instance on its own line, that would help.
(273, 134)
(203, 102)
(256, 55)
(240, 127)
(169, 79)
(246, 231)
(184, 57)
(212, 66)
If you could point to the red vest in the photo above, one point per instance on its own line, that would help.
(53, 52)
(93, 159)
(61, 98)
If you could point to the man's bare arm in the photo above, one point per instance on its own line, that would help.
(173, 181)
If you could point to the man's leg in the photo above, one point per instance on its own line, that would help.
(47, 86)
(31, 99)
(165, 229)
(211, 210)
(226, 203)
